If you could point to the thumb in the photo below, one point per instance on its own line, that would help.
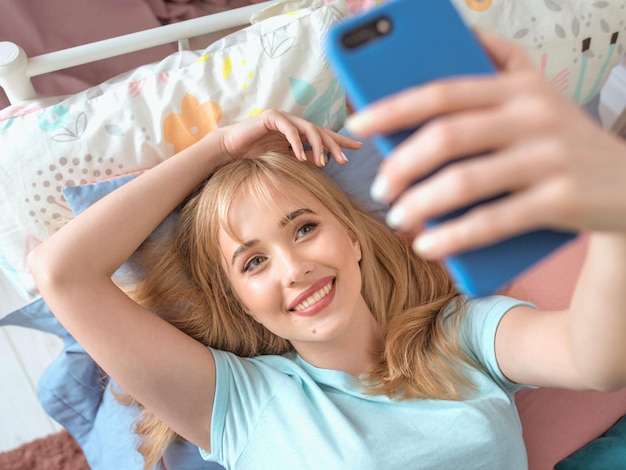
(507, 55)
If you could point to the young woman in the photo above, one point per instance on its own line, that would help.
(332, 345)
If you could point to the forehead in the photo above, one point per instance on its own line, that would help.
(251, 209)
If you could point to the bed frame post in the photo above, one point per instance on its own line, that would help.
(13, 77)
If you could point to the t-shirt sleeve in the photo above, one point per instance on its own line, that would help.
(479, 323)
(243, 388)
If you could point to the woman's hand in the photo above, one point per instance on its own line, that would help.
(275, 130)
(557, 168)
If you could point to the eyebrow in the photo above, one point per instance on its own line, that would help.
(294, 215)
(283, 223)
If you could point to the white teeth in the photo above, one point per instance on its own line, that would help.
(319, 295)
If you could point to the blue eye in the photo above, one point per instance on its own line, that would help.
(253, 263)
(306, 229)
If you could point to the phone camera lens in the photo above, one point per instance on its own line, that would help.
(383, 26)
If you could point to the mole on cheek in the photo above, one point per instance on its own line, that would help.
(314, 331)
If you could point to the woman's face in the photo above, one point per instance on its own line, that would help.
(296, 270)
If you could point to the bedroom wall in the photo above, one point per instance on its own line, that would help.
(39, 27)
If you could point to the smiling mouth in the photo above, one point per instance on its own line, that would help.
(314, 298)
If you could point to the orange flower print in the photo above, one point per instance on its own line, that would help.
(479, 5)
(194, 122)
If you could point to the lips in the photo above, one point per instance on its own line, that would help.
(312, 296)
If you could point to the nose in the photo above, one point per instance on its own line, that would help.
(295, 267)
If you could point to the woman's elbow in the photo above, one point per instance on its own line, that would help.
(39, 266)
(611, 384)
(608, 378)
(47, 270)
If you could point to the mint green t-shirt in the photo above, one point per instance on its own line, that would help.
(279, 412)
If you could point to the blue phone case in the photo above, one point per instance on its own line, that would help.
(428, 40)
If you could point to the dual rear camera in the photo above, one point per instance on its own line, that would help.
(367, 33)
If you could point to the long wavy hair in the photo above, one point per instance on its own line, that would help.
(179, 276)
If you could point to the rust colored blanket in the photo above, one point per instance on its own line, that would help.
(55, 452)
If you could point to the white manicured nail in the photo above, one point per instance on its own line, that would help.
(395, 217)
(379, 189)
(355, 122)
(424, 243)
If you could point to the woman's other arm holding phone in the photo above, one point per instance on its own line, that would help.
(560, 170)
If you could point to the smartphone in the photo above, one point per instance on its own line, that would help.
(405, 43)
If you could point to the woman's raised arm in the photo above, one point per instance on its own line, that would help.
(558, 169)
(167, 371)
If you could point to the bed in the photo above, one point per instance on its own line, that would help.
(68, 137)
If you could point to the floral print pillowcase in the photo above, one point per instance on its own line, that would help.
(132, 123)
(574, 43)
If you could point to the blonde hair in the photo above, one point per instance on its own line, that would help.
(180, 277)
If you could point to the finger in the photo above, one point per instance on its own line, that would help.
(334, 143)
(485, 224)
(277, 121)
(313, 136)
(317, 138)
(324, 142)
(506, 55)
(309, 140)
(441, 142)
(298, 130)
(472, 181)
(413, 107)
(343, 140)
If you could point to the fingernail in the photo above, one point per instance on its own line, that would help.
(379, 189)
(345, 159)
(323, 160)
(355, 122)
(303, 155)
(424, 243)
(395, 217)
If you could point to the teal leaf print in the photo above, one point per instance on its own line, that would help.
(329, 109)
(303, 92)
(6, 266)
(8, 123)
(53, 118)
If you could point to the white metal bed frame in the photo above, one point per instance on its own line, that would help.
(16, 69)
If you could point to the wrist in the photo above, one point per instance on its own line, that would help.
(212, 149)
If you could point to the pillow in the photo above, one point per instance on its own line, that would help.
(78, 395)
(142, 118)
(607, 452)
(354, 179)
(574, 43)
